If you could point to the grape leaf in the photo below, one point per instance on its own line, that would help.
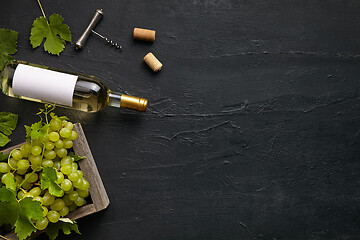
(8, 122)
(9, 207)
(52, 229)
(36, 131)
(55, 32)
(10, 182)
(29, 210)
(75, 157)
(3, 157)
(8, 41)
(49, 177)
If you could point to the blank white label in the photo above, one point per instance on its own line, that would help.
(44, 84)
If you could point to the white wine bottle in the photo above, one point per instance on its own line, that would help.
(72, 90)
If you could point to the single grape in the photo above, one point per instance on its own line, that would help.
(25, 149)
(57, 164)
(81, 174)
(4, 167)
(54, 136)
(35, 160)
(66, 160)
(23, 164)
(41, 225)
(20, 194)
(36, 167)
(66, 185)
(53, 216)
(74, 176)
(48, 199)
(72, 207)
(28, 194)
(21, 171)
(49, 145)
(74, 135)
(67, 200)
(36, 191)
(64, 211)
(66, 169)
(27, 185)
(68, 143)
(58, 204)
(18, 179)
(60, 177)
(61, 152)
(59, 143)
(17, 155)
(50, 154)
(12, 163)
(79, 201)
(55, 124)
(78, 183)
(39, 199)
(47, 163)
(73, 195)
(69, 125)
(65, 133)
(83, 193)
(36, 150)
(32, 177)
(45, 211)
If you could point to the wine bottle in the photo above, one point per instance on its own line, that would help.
(72, 90)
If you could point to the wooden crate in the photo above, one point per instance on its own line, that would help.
(99, 197)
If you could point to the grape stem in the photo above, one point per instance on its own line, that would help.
(42, 10)
(1, 236)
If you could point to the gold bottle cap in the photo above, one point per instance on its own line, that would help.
(135, 103)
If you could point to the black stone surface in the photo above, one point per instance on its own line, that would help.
(253, 125)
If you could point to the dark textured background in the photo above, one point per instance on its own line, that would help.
(252, 130)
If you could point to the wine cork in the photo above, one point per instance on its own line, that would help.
(144, 34)
(153, 62)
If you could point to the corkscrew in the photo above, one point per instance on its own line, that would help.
(79, 44)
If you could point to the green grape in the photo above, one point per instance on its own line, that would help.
(17, 155)
(49, 145)
(79, 201)
(35, 160)
(23, 164)
(48, 199)
(66, 160)
(66, 185)
(27, 185)
(71, 189)
(25, 149)
(59, 143)
(45, 211)
(36, 191)
(21, 171)
(74, 135)
(50, 154)
(36, 150)
(20, 194)
(58, 204)
(32, 177)
(53, 216)
(73, 195)
(72, 207)
(55, 124)
(54, 136)
(39, 199)
(68, 143)
(12, 163)
(65, 133)
(61, 152)
(36, 142)
(74, 176)
(36, 167)
(41, 225)
(81, 174)
(74, 167)
(66, 169)
(4, 167)
(47, 163)
(18, 179)
(57, 164)
(60, 177)
(64, 211)
(78, 183)
(69, 125)
(83, 193)
(67, 200)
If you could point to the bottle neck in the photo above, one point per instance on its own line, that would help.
(124, 101)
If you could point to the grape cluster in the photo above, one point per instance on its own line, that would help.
(26, 163)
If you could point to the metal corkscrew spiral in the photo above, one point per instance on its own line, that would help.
(108, 40)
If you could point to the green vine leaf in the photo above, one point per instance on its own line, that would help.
(8, 42)
(55, 32)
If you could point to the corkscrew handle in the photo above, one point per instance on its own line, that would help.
(79, 44)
